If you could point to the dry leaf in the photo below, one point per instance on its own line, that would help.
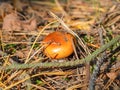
(12, 22)
(22, 54)
(112, 75)
(5, 8)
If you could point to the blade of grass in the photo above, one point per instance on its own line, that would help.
(27, 59)
(41, 73)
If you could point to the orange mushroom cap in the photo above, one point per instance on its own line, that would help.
(58, 45)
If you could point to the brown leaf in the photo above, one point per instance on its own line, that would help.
(112, 75)
(5, 8)
(12, 22)
(22, 53)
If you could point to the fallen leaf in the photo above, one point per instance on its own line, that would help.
(12, 22)
(112, 75)
(5, 8)
(22, 53)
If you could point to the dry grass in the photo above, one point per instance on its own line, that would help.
(92, 22)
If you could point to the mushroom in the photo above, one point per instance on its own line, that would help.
(58, 45)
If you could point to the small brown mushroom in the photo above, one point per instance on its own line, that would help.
(58, 45)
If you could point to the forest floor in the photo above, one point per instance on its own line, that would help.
(95, 62)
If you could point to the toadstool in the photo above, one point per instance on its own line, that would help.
(58, 45)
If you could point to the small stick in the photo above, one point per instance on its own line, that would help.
(98, 64)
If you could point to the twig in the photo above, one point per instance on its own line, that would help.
(98, 64)
(65, 64)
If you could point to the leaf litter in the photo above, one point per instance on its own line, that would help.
(20, 25)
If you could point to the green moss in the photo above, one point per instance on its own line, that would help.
(40, 82)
